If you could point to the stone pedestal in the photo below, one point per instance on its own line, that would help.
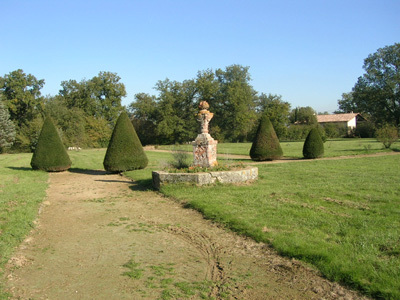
(204, 146)
(204, 151)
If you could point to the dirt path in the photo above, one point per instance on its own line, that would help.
(100, 236)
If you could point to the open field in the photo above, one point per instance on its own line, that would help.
(342, 216)
(333, 148)
(21, 192)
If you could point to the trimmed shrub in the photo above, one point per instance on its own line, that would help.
(50, 154)
(266, 143)
(313, 146)
(125, 151)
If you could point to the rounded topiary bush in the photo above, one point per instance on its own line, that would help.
(125, 151)
(50, 154)
(266, 143)
(313, 146)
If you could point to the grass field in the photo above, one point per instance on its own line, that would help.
(21, 192)
(333, 148)
(342, 216)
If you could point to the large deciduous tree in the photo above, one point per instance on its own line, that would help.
(170, 116)
(303, 116)
(144, 118)
(99, 97)
(276, 110)
(235, 103)
(176, 110)
(377, 91)
(7, 128)
(21, 93)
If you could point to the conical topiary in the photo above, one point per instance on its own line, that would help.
(50, 154)
(313, 146)
(266, 144)
(125, 151)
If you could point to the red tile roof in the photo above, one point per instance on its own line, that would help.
(336, 118)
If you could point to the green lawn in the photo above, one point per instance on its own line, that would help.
(342, 216)
(333, 148)
(21, 192)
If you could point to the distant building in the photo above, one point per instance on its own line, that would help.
(349, 120)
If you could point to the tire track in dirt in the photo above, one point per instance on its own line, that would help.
(211, 253)
(94, 226)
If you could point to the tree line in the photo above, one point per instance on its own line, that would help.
(85, 111)
(170, 117)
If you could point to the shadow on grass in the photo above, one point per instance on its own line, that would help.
(396, 149)
(142, 185)
(20, 168)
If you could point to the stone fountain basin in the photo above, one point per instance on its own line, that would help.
(234, 176)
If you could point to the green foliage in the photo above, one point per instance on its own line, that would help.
(124, 152)
(365, 129)
(21, 93)
(70, 121)
(180, 159)
(144, 113)
(7, 128)
(332, 130)
(376, 92)
(98, 97)
(313, 145)
(98, 132)
(387, 135)
(297, 132)
(347, 104)
(234, 104)
(277, 111)
(176, 122)
(266, 144)
(50, 154)
(303, 116)
(170, 118)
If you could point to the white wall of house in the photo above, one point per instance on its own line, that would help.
(351, 123)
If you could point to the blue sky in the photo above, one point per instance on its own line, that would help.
(310, 52)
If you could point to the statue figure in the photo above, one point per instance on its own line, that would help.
(204, 147)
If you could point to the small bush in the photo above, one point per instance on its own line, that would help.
(180, 159)
(387, 135)
(125, 151)
(266, 143)
(313, 145)
(50, 154)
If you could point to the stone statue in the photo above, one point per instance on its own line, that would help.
(204, 147)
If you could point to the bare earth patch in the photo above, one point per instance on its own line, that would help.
(99, 236)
